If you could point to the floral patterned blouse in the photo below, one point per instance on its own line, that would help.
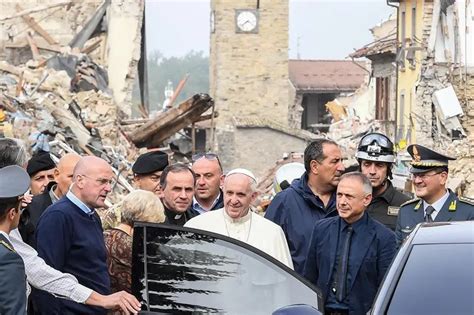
(119, 259)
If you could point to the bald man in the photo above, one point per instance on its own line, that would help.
(53, 192)
(69, 236)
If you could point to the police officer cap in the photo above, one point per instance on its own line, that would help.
(425, 159)
(150, 162)
(39, 162)
(14, 181)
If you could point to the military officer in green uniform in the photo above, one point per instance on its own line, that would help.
(376, 156)
(434, 202)
(14, 182)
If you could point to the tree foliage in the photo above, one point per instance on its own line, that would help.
(162, 69)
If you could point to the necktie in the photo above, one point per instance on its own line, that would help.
(342, 267)
(429, 210)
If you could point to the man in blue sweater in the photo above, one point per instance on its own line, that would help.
(69, 236)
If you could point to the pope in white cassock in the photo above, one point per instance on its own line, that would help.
(237, 221)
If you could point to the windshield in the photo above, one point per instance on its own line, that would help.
(437, 279)
(182, 272)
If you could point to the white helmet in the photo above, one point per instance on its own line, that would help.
(286, 174)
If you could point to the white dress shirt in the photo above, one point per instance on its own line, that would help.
(43, 277)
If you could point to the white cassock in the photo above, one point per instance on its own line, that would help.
(252, 229)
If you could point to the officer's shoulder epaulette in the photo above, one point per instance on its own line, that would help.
(469, 201)
(409, 202)
(6, 245)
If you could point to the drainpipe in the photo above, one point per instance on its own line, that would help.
(397, 70)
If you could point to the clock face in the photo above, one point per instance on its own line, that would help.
(246, 21)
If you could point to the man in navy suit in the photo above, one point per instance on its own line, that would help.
(434, 202)
(349, 254)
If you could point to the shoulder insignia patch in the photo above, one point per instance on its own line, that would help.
(469, 201)
(393, 211)
(409, 202)
(7, 245)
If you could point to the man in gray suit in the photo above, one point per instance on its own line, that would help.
(14, 182)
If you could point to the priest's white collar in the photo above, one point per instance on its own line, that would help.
(240, 220)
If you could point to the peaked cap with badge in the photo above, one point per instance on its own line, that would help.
(154, 161)
(425, 159)
(412, 212)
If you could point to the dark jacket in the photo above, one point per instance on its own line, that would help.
(296, 209)
(412, 212)
(174, 218)
(12, 280)
(32, 213)
(372, 250)
(384, 208)
(219, 204)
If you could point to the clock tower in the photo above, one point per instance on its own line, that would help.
(249, 61)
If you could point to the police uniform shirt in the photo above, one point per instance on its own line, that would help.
(436, 205)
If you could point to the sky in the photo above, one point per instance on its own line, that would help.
(327, 29)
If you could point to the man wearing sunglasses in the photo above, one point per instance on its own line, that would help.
(434, 202)
(208, 195)
(376, 156)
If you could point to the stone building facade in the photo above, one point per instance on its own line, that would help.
(248, 69)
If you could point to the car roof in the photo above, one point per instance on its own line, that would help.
(444, 233)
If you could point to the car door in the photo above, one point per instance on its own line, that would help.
(178, 270)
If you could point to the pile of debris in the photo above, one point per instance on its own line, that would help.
(55, 92)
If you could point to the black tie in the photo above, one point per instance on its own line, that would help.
(429, 210)
(342, 266)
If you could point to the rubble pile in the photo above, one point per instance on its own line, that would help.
(55, 92)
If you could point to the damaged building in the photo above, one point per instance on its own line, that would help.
(431, 59)
(67, 72)
(382, 53)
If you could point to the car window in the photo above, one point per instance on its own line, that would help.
(436, 279)
(177, 270)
